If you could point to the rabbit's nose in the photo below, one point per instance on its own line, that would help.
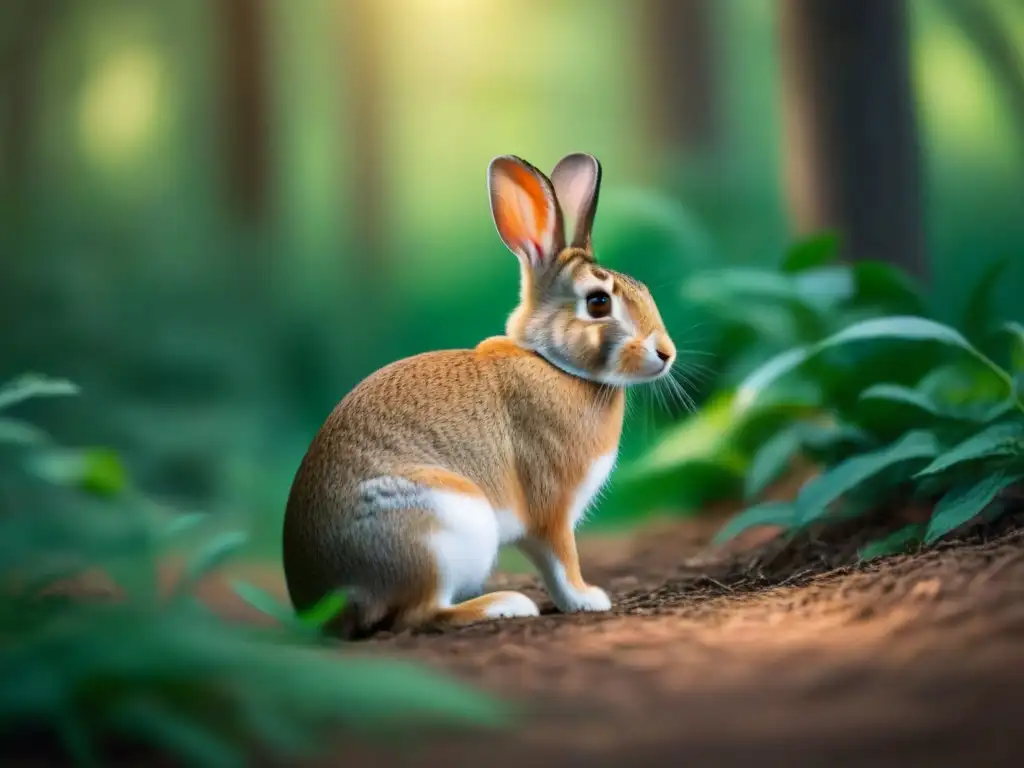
(662, 354)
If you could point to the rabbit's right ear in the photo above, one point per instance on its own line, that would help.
(577, 182)
(525, 210)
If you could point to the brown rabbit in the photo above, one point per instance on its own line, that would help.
(432, 463)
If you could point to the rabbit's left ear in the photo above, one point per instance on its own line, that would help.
(525, 211)
(577, 182)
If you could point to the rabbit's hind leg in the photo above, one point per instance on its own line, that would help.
(462, 537)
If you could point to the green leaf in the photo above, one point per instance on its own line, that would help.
(960, 386)
(928, 408)
(1016, 333)
(978, 315)
(896, 542)
(904, 396)
(33, 385)
(901, 328)
(726, 284)
(264, 602)
(880, 285)
(772, 459)
(17, 432)
(325, 609)
(963, 503)
(769, 513)
(315, 617)
(1001, 439)
(754, 386)
(815, 251)
(819, 492)
(183, 523)
(210, 557)
(825, 288)
(97, 471)
(103, 474)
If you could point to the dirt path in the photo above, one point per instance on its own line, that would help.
(772, 659)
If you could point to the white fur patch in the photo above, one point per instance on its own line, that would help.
(511, 606)
(510, 526)
(621, 313)
(592, 483)
(465, 547)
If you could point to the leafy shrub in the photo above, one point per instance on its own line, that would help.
(155, 667)
(960, 439)
(752, 316)
(850, 375)
(838, 366)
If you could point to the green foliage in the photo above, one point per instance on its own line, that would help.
(889, 403)
(963, 503)
(769, 513)
(767, 322)
(818, 494)
(1000, 439)
(816, 251)
(314, 618)
(157, 666)
(898, 541)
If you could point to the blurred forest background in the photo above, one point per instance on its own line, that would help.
(217, 216)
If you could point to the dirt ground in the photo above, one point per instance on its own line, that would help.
(773, 654)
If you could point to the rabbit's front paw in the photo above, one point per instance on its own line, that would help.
(591, 599)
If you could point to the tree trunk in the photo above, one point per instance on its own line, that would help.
(682, 61)
(245, 110)
(851, 145)
(362, 42)
(23, 46)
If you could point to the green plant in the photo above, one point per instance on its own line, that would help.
(955, 437)
(763, 317)
(156, 666)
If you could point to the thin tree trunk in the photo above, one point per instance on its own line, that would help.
(23, 47)
(362, 41)
(682, 61)
(245, 109)
(851, 143)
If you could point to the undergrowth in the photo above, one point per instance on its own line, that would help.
(888, 403)
(152, 666)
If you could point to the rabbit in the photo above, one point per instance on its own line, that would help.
(431, 463)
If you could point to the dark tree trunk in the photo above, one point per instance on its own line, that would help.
(364, 113)
(852, 155)
(23, 46)
(682, 58)
(245, 143)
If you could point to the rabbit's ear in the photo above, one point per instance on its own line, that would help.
(525, 210)
(577, 182)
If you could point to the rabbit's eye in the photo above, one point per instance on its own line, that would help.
(599, 304)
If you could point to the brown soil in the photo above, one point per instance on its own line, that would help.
(786, 653)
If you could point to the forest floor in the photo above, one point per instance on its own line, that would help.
(767, 653)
